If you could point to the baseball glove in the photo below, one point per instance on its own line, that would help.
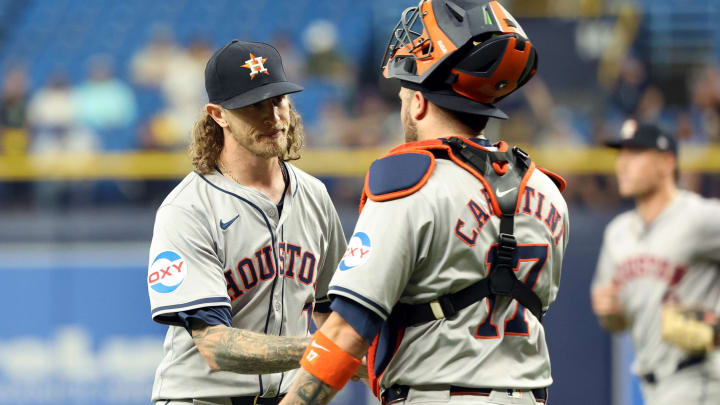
(695, 331)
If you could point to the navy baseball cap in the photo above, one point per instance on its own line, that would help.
(444, 96)
(243, 73)
(644, 136)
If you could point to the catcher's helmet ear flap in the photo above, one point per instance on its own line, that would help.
(494, 69)
(474, 46)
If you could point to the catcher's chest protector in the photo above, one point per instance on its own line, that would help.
(503, 173)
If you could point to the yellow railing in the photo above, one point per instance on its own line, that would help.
(319, 162)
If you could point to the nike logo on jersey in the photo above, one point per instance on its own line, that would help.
(501, 194)
(314, 344)
(226, 225)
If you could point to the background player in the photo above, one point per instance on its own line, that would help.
(244, 247)
(430, 228)
(664, 254)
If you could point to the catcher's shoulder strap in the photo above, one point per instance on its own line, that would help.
(504, 173)
(407, 168)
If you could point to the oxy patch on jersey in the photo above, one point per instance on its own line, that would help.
(167, 272)
(357, 253)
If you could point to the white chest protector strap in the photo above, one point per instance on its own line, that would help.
(501, 280)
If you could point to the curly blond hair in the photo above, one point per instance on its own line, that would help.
(208, 141)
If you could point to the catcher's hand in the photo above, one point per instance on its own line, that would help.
(695, 331)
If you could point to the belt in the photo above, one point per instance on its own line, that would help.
(400, 392)
(256, 400)
(650, 378)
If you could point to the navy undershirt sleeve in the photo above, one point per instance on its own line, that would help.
(217, 315)
(322, 307)
(365, 322)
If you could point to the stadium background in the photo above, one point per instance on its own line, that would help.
(96, 102)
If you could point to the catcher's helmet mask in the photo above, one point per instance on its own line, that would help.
(464, 55)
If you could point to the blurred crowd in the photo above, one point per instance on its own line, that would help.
(690, 104)
(344, 106)
(164, 94)
(150, 100)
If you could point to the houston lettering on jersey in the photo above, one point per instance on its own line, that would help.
(647, 266)
(533, 203)
(260, 267)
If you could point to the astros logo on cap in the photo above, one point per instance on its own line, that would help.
(256, 65)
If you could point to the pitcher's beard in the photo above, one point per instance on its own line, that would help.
(265, 147)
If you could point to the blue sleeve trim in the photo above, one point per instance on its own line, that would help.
(397, 172)
(215, 315)
(365, 322)
(360, 298)
(213, 300)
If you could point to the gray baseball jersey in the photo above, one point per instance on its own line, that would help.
(676, 257)
(440, 240)
(217, 242)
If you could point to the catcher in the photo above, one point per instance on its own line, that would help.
(458, 250)
(659, 272)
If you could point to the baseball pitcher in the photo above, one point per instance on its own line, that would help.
(244, 247)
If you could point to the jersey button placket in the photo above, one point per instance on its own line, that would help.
(277, 308)
(272, 213)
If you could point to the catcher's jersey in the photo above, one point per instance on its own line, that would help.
(216, 242)
(676, 257)
(440, 240)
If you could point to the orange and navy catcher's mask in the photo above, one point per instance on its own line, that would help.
(474, 48)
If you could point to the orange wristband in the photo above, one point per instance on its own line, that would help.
(329, 363)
